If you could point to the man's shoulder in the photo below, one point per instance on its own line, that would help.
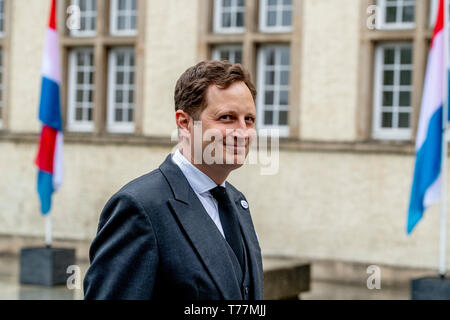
(148, 188)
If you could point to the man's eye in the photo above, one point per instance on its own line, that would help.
(251, 119)
(226, 117)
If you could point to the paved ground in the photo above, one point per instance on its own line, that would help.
(11, 290)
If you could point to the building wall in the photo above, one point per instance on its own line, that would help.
(165, 62)
(324, 205)
(29, 19)
(329, 70)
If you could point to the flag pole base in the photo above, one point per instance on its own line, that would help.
(430, 288)
(45, 266)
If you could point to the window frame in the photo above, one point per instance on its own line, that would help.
(284, 130)
(263, 27)
(113, 27)
(102, 43)
(2, 31)
(72, 124)
(217, 19)
(5, 50)
(381, 25)
(2, 87)
(380, 133)
(85, 33)
(114, 126)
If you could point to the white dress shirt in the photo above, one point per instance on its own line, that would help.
(201, 184)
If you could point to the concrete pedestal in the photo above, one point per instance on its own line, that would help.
(430, 288)
(45, 266)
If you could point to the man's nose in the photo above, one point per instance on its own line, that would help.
(241, 133)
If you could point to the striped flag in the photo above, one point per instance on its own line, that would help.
(426, 186)
(49, 158)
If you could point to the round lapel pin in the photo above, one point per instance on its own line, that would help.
(244, 204)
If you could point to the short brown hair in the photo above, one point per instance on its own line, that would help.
(191, 88)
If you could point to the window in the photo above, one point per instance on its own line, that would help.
(2, 17)
(123, 17)
(274, 88)
(88, 16)
(396, 14)
(4, 9)
(104, 73)
(268, 58)
(275, 15)
(232, 53)
(81, 90)
(392, 92)
(229, 16)
(1, 88)
(121, 90)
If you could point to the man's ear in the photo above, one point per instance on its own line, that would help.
(184, 122)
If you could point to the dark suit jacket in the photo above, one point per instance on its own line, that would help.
(156, 241)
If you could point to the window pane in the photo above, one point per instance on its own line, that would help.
(408, 14)
(287, 18)
(284, 78)
(406, 56)
(239, 19)
(284, 98)
(387, 120)
(268, 117)
(268, 100)
(388, 78)
(270, 77)
(226, 20)
(389, 56)
(391, 14)
(271, 18)
(405, 99)
(403, 120)
(388, 99)
(283, 118)
(405, 77)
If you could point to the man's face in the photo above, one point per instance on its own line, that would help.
(232, 113)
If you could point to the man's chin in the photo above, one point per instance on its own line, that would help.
(234, 161)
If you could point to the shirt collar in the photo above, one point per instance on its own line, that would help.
(199, 181)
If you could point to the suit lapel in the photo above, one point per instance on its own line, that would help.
(201, 230)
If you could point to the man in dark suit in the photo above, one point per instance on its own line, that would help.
(182, 231)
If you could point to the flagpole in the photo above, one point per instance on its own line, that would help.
(443, 226)
(48, 230)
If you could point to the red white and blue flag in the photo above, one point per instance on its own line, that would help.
(49, 159)
(426, 186)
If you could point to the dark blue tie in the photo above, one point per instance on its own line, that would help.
(230, 223)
